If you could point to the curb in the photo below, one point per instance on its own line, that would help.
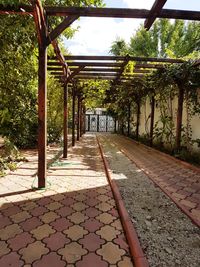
(194, 221)
(137, 253)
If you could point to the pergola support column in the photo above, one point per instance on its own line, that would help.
(179, 117)
(138, 120)
(42, 116)
(78, 117)
(81, 118)
(65, 122)
(73, 115)
(152, 119)
(129, 118)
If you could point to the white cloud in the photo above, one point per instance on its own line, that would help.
(96, 35)
(147, 4)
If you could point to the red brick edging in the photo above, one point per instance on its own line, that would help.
(135, 248)
(194, 220)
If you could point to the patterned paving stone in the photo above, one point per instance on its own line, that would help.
(11, 260)
(117, 224)
(91, 212)
(121, 241)
(77, 217)
(11, 211)
(91, 202)
(126, 262)
(49, 217)
(92, 225)
(10, 231)
(4, 249)
(61, 224)
(54, 205)
(68, 201)
(105, 218)
(56, 241)
(4, 221)
(75, 232)
(44, 201)
(108, 232)
(33, 252)
(30, 224)
(20, 241)
(65, 211)
(79, 206)
(90, 259)
(42, 231)
(50, 260)
(72, 252)
(20, 217)
(92, 242)
(111, 253)
(57, 227)
(38, 211)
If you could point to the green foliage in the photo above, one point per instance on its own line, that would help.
(18, 73)
(94, 92)
(54, 110)
(119, 47)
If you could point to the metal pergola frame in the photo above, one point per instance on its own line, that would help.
(59, 66)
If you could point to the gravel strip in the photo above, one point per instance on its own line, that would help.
(168, 237)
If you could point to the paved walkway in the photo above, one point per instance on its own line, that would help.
(180, 182)
(73, 223)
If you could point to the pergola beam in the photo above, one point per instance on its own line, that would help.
(123, 58)
(61, 27)
(102, 12)
(154, 13)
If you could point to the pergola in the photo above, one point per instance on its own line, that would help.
(70, 68)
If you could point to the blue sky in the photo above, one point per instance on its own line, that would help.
(96, 35)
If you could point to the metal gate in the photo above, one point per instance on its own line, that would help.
(99, 123)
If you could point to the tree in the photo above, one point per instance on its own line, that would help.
(18, 74)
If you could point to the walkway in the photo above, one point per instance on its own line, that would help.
(179, 181)
(73, 223)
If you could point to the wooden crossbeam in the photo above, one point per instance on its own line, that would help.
(86, 69)
(102, 12)
(74, 73)
(97, 74)
(123, 58)
(89, 64)
(149, 66)
(61, 27)
(154, 12)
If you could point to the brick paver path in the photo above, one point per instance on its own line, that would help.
(73, 223)
(179, 181)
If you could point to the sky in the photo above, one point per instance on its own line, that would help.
(96, 35)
